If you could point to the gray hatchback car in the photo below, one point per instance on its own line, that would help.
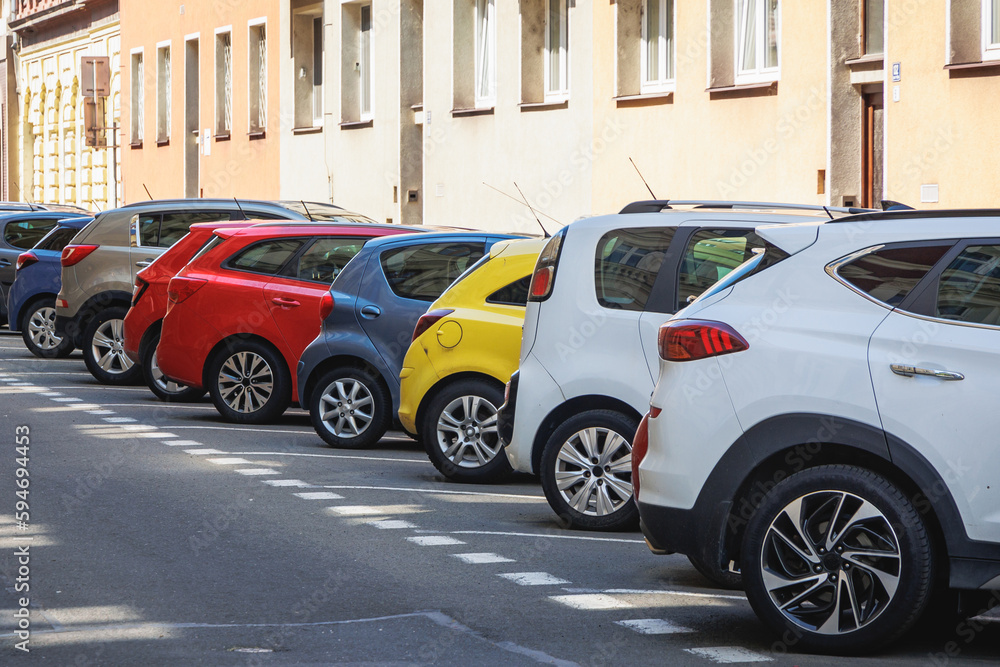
(100, 264)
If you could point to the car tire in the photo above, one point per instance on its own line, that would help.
(352, 389)
(802, 586)
(38, 329)
(249, 382)
(578, 460)
(165, 390)
(103, 353)
(721, 578)
(460, 432)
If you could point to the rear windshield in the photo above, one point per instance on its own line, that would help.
(627, 263)
(424, 271)
(58, 239)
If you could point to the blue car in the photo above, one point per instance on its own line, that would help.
(31, 303)
(348, 377)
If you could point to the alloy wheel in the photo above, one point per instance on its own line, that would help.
(346, 407)
(108, 347)
(165, 385)
(246, 382)
(831, 562)
(594, 471)
(42, 329)
(467, 432)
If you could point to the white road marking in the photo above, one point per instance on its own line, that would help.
(202, 452)
(725, 655)
(288, 482)
(158, 405)
(653, 626)
(391, 524)
(319, 495)
(20, 384)
(715, 596)
(185, 443)
(100, 412)
(481, 558)
(422, 461)
(590, 601)
(554, 536)
(243, 429)
(103, 387)
(429, 490)
(155, 434)
(434, 541)
(533, 579)
(137, 427)
(50, 394)
(119, 420)
(67, 399)
(228, 461)
(358, 510)
(257, 471)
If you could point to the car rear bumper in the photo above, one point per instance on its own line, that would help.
(137, 323)
(533, 397)
(185, 343)
(415, 379)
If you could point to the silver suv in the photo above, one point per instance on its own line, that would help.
(99, 268)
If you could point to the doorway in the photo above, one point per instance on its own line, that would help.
(192, 118)
(873, 151)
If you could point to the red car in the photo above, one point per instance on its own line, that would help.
(240, 313)
(149, 305)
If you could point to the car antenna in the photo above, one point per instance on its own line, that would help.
(521, 202)
(544, 231)
(242, 212)
(643, 179)
(97, 206)
(308, 214)
(31, 206)
(828, 212)
(147, 192)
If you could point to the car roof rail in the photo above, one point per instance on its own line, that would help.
(657, 205)
(914, 214)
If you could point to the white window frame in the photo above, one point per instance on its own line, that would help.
(485, 26)
(164, 88)
(218, 125)
(365, 103)
(561, 94)
(138, 94)
(666, 47)
(259, 124)
(758, 73)
(991, 50)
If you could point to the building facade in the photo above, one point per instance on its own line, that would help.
(54, 163)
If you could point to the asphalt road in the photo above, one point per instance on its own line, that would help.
(160, 534)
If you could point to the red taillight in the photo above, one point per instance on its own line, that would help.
(62, 303)
(688, 340)
(140, 289)
(640, 445)
(541, 282)
(73, 254)
(25, 259)
(545, 269)
(180, 289)
(427, 320)
(325, 306)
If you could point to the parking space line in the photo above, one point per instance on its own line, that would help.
(434, 541)
(186, 443)
(590, 601)
(66, 399)
(725, 655)
(319, 495)
(483, 558)
(653, 626)
(438, 491)
(254, 472)
(333, 456)
(100, 412)
(243, 429)
(50, 394)
(228, 461)
(202, 452)
(391, 524)
(554, 536)
(533, 579)
(289, 482)
(119, 420)
(690, 594)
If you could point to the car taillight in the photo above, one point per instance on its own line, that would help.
(640, 445)
(25, 259)
(428, 320)
(180, 289)
(544, 276)
(688, 340)
(326, 304)
(74, 254)
(140, 288)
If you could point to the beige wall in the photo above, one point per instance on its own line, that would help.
(241, 166)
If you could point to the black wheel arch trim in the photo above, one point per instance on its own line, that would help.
(75, 324)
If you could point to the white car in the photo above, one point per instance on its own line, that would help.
(601, 289)
(824, 423)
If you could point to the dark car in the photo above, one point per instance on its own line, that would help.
(348, 377)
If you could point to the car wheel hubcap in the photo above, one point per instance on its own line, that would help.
(245, 382)
(108, 347)
(467, 432)
(162, 383)
(347, 408)
(594, 471)
(831, 562)
(42, 329)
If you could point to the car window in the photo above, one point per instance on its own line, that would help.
(424, 271)
(709, 257)
(515, 294)
(25, 234)
(174, 226)
(969, 289)
(149, 229)
(266, 257)
(58, 238)
(890, 274)
(324, 260)
(627, 263)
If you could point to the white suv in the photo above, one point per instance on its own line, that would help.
(825, 422)
(601, 289)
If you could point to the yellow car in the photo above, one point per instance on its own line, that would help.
(464, 351)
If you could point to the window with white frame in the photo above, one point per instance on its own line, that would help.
(556, 50)
(657, 56)
(874, 27)
(163, 93)
(991, 29)
(365, 62)
(486, 53)
(224, 83)
(757, 37)
(257, 81)
(317, 69)
(138, 106)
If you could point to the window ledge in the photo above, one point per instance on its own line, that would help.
(645, 99)
(543, 106)
(479, 111)
(982, 68)
(417, 107)
(257, 134)
(307, 130)
(866, 62)
(357, 124)
(163, 142)
(223, 137)
(744, 90)
(135, 144)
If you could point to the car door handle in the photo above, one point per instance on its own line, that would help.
(371, 312)
(4, 263)
(286, 302)
(144, 263)
(910, 371)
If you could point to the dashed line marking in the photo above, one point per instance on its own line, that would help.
(50, 394)
(391, 524)
(119, 420)
(434, 540)
(725, 655)
(552, 536)
(202, 452)
(135, 428)
(68, 399)
(100, 412)
(319, 495)
(448, 492)
(186, 443)
(590, 601)
(358, 510)
(288, 482)
(533, 578)
(254, 472)
(483, 558)
(653, 626)
(228, 461)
